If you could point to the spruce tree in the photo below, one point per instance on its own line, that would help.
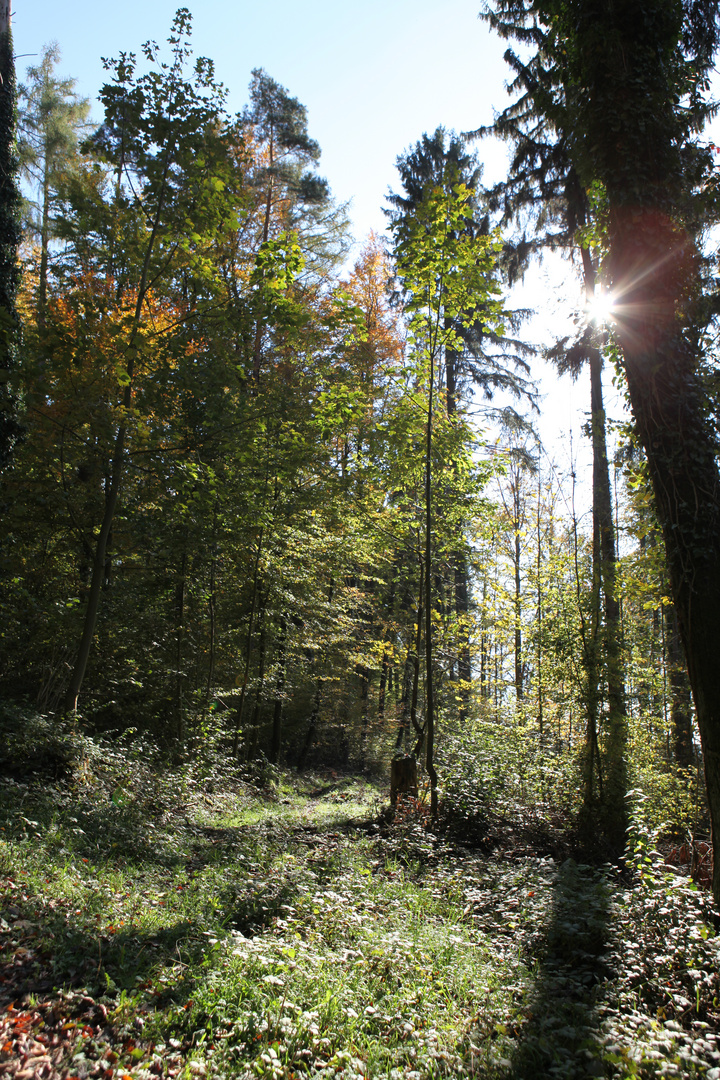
(51, 120)
(633, 80)
(545, 199)
(10, 428)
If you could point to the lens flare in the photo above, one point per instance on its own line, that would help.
(600, 308)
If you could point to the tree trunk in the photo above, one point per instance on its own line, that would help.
(10, 236)
(458, 558)
(180, 594)
(364, 709)
(260, 323)
(429, 690)
(519, 689)
(539, 621)
(680, 696)
(276, 744)
(211, 614)
(614, 814)
(462, 610)
(44, 244)
(252, 743)
(628, 113)
(248, 645)
(590, 640)
(666, 401)
(312, 726)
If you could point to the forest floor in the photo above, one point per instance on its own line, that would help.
(171, 926)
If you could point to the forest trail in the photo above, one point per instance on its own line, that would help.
(199, 929)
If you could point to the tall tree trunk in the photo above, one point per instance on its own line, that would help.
(254, 739)
(44, 243)
(248, 644)
(614, 815)
(260, 324)
(211, 613)
(519, 689)
(458, 558)
(416, 658)
(680, 696)
(385, 665)
(10, 236)
(590, 642)
(627, 98)
(429, 685)
(180, 592)
(276, 743)
(539, 621)
(462, 610)
(364, 711)
(411, 675)
(312, 727)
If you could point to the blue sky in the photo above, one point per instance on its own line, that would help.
(373, 75)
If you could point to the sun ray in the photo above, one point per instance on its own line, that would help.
(600, 307)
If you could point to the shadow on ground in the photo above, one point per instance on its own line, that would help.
(560, 1037)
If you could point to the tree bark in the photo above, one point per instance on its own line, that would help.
(614, 815)
(680, 696)
(276, 743)
(624, 100)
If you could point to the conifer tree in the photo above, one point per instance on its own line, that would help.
(10, 428)
(543, 193)
(631, 82)
(51, 121)
(474, 349)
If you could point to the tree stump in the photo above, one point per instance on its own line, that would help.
(403, 777)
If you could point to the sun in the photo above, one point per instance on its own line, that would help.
(600, 308)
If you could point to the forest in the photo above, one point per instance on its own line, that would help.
(336, 738)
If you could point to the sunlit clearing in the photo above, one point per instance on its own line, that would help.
(600, 308)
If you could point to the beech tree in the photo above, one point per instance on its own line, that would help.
(163, 139)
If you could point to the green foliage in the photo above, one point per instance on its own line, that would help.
(223, 929)
(501, 769)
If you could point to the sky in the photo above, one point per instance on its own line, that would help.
(374, 76)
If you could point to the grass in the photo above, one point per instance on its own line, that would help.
(185, 924)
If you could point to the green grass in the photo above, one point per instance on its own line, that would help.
(226, 931)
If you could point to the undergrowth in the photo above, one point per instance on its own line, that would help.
(184, 921)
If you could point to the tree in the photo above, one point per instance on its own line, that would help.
(163, 137)
(447, 273)
(292, 193)
(10, 429)
(633, 78)
(543, 190)
(52, 120)
(475, 354)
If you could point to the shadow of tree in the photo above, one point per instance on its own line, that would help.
(559, 1037)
